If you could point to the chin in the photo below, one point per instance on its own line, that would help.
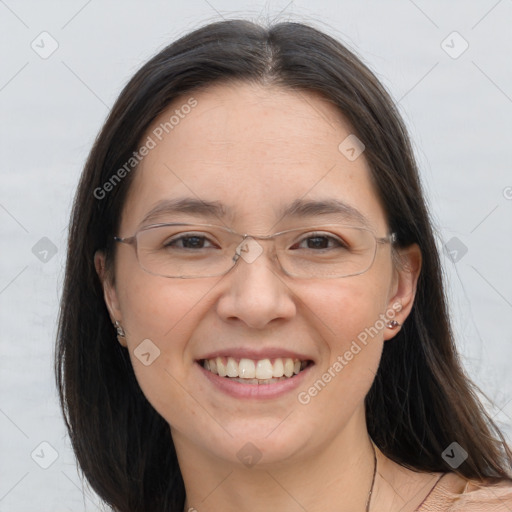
(267, 441)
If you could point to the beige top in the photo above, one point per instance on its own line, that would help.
(452, 493)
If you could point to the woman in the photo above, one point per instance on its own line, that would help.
(251, 227)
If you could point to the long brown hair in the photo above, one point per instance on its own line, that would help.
(421, 400)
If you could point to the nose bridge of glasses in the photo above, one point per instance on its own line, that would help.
(252, 246)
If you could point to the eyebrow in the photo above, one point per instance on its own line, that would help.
(300, 208)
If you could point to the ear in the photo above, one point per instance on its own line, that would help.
(109, 290)
(405, 280)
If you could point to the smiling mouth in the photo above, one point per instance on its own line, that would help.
(250, 371)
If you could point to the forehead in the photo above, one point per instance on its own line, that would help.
(253, 150)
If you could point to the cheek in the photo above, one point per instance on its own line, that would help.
(348, 316)
(161, 308)
(159, 317)
(345, 309)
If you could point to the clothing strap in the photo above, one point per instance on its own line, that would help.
(418, 509)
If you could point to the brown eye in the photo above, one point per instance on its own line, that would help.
(319, 241)
(188, 242)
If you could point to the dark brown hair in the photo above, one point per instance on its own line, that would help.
(421, 400)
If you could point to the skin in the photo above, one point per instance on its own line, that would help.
(256, 148)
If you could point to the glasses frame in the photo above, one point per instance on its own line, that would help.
(391, 238)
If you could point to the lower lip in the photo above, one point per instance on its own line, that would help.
(255, 391)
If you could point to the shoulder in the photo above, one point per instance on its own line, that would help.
(453, 493)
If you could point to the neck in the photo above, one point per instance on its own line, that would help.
(343, 470)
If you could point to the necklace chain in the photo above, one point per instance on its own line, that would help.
(369, 499)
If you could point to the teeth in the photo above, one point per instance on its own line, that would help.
(288, 367)
(264, 369)
(249, 371)
(278, 368)
(221, 368)
(231, 368)
(257, 381)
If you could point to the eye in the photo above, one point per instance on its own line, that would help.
(187, 241)
(321, 241)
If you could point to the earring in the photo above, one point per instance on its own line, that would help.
(392, 324)
(120, 332)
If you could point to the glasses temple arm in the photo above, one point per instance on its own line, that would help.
(128, 240)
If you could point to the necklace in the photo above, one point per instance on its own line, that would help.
(367, 509)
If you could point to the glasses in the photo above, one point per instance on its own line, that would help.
(186, 251)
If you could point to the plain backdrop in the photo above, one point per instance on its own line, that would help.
(447, 64)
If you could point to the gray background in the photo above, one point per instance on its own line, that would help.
(457, 106)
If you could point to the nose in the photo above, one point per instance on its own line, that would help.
(256, 290)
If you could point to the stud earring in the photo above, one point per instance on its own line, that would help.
(392, 324)
(121, 335)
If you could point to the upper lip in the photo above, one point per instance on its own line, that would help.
(256, 355)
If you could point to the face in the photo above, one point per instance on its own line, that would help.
(256, 150)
